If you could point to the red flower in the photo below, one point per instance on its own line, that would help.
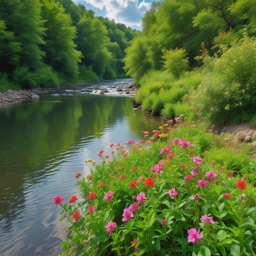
(122, 168)
(164, 222)
(111, 145)
(72, 199)
(185, 124)
(180, 164)
(154, 176)
(76, 216)
(91, 195)
(137, 249)
(122, 176)
(134, 197)
(134, 169)
(196, 197)
(175, 125)
(116, 169)
(101, 151)
(89, 177)
(241, 184)
(230, 173)
(101, 184)
(133, 184)
(134, 241)
(149, 182)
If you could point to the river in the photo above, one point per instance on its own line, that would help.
(43, 144)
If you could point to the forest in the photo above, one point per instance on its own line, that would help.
(45, 43)
(197, 58)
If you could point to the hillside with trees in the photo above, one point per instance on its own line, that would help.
(48, 42)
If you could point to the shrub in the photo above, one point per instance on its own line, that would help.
(175, 61)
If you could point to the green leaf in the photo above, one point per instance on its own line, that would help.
(100, 237)
(205, 208)
(160, 197)
(248, 222)
(223, 215)
(187, 213)
(235, 250)
(217, 189)
(249, 210)
(157, 244)
(248, 242)
(225, 242)
(221, 207)
(215, 213)
(65, 245)
(183, 242)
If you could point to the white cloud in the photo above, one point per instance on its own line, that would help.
(128, 12)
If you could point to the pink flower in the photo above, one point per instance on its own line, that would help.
(164, 222)
(162, 151)
(152, 169)
(106, 156)
(111, 145)
(194, 173)
(194, 236)
(188, 177)
(139, 146)
(161, 162)
(110, 226)
(142, 141)
(203, 183)
(141, 197)
(58, 199)
(158, 168)
(170, 156)
(91, 208)
(226, 195)
(133, 207)
(193, 126)
(173, 192)
(141, 178)
(226, 139)
(109, 195)
(185, 144)
(213, 162)
(211, 175)
(127, 215)
(99, 155)
(78, 174)
(197, 160)
(176, 141)
(146, 132)
(206, 218)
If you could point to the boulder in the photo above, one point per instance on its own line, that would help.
(100, 92)
(248, 139)
(34, 96)
(105, 91)
(224, 129)
(10, 92)
(129, 86)
(119, 89)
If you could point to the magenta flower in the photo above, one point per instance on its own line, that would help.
(197, 160)
(109, 195)
(226, 195)
(194, 173)
(91, 208)
(146, 132)
(110, 226)
(202, 183)
(176, 141)
(206, 218)
(141, 197)
(170, 156)
(58, 199)
(158, 168)
(185, 144)
(127, 215)
(141, 178)
(188, 177)
(152, 169)
(173, 192)
(211, 175)
(194, 236)
(164, 150)
(99, 154)
(133, 207)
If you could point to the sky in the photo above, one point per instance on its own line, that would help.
(128, 12)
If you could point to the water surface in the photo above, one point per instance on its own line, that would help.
(42, 145)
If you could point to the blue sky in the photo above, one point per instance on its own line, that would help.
(128, 12)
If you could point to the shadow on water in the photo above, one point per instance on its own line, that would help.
(43, 144)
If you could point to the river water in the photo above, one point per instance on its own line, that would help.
(43, 144)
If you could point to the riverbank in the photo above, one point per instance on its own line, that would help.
(121, 87)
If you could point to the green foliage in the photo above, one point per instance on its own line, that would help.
(162, 218)
(228, 92)
(175, 61)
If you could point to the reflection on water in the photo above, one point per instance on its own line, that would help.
(42, 145)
